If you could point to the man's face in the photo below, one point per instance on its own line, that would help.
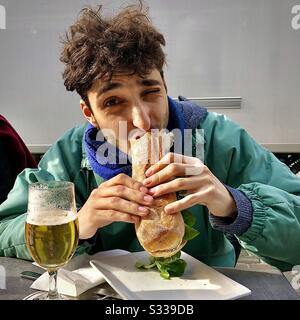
(140, 102)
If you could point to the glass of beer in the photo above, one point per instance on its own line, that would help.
(51, 229)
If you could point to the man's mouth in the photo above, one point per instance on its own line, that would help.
(136, 134)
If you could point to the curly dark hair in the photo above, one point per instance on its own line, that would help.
(97, 46)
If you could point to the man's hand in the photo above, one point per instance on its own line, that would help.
(118, 199)
(176, 172)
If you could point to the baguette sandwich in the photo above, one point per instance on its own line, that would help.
(160, 234)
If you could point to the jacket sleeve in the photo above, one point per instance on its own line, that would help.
(59, 163)
(273, 190)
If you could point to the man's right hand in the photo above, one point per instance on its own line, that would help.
(118, 199)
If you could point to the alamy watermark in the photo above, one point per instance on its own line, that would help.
(296, 17)
(179, 140)
(2, 18)
(2, 278)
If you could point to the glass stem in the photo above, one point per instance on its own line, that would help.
(53, 294)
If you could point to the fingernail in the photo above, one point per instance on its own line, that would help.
(148, 198)
(149, 172)
(143, 189)
(168, 209)
(147, 182)
(152, 191)
(143, 209)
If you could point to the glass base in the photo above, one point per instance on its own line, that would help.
(41, 295)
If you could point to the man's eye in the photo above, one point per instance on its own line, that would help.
(152, 91)
(112, 102)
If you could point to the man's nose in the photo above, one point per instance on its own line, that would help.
(141, 117)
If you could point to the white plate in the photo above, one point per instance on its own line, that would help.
(199, 282)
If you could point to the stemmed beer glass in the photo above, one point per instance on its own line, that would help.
(51, 229)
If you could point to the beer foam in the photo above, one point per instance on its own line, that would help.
(50, 218)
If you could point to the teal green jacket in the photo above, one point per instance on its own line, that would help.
(233, 157)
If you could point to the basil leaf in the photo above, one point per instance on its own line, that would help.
(188, 218)
(171, 266)
(189, 222)
(164, 274)
(176, 268)
(163, 270)
(190, 233)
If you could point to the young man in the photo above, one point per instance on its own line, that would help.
(116, 66)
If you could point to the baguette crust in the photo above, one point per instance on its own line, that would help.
(159, 233)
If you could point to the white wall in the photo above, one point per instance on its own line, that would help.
(243, 48)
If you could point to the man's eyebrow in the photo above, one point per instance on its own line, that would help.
(115, 85)
(108, 86)
(150, 82)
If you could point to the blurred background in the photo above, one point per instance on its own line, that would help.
(238, 57)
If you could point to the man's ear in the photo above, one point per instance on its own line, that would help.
(88, 114)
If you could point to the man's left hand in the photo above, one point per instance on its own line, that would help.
(175, 172)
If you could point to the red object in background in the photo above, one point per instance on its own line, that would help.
(14, 157)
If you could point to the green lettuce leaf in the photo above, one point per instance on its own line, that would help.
(167, 267)
(189, 221)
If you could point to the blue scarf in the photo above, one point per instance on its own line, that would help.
(100, 165)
